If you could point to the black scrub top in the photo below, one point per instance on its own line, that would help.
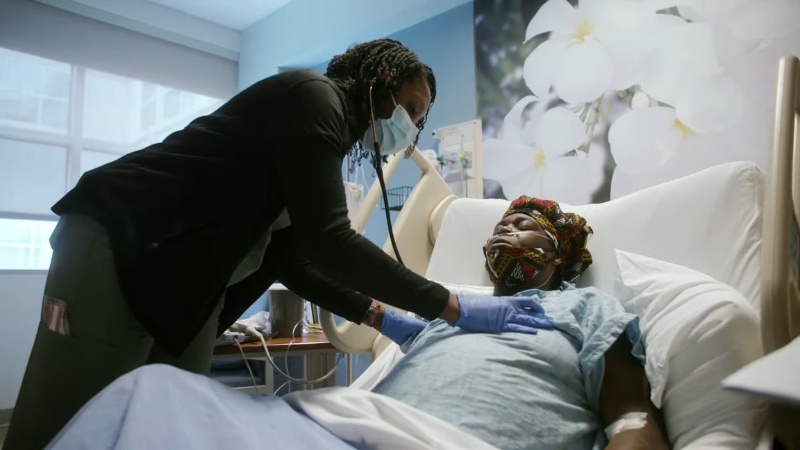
(183, 213)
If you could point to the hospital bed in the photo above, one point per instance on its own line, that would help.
(732, 222)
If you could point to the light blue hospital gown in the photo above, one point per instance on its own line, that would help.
(519, 391)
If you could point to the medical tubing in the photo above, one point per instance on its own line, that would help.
(247, 364)
(253, 332)
(299, 380)
(281, 387)
(288, 347)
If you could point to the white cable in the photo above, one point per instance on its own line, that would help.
(300, 380)
(286, 354)
(253, 332)
(246, 363)
(281, 387)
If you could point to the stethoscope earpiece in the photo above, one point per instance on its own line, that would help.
(372, 119)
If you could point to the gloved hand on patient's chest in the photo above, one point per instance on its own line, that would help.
(400, 327)
(498, 314)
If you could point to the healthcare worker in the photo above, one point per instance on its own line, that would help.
(161, 250)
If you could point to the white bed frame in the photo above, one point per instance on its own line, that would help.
(780, 245)
(780, 248)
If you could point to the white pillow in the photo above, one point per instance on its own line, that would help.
(462, 289)
(708, 221)
(697, 331)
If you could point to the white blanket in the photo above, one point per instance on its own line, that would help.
(379, 368)
(380, 422)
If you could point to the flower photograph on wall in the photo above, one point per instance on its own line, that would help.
(586, 100)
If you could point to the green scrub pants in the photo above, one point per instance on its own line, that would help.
(96, 339)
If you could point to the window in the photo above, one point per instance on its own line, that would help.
(58, 121)
(24, 244)
(34, 93)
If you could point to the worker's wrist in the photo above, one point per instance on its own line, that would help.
(377, 324)
(374, 315)
(452, 311)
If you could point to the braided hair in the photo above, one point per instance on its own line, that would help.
(383, 65)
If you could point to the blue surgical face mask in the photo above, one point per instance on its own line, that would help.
(394, 134)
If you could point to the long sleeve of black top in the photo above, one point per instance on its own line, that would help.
(301, 277)
(311, 187)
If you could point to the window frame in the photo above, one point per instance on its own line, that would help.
(75, 143)
(72, 141)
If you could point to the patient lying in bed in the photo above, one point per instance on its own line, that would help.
(557, 389)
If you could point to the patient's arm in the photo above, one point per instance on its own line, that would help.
(625, 390)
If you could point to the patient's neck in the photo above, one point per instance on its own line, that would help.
(508, 291)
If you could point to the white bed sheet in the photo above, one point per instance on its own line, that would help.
(379, 368)
(379, 422)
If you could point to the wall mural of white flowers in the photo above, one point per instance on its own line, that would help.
(587, 100)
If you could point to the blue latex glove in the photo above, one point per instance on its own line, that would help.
(497, 314)
(400, 327)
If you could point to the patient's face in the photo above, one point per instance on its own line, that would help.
(528, 234)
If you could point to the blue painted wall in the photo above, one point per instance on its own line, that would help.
(321, 67)
(446, 43)
(306, 32)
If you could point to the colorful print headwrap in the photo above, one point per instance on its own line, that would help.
(570, 230)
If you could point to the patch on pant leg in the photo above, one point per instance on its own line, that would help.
(54, 315)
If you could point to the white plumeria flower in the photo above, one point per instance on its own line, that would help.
(695, 95)
(684, 72)
(528, 157)
(753, 21)
(599, 46)
(741, 26)
(698, 152)
(645, 138)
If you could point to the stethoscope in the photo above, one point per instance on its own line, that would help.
(379, 171)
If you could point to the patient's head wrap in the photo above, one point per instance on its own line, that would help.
(569, 230)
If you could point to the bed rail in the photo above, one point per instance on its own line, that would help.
(421, 213)
(780, 252)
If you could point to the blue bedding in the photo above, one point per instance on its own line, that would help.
(160, 406)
